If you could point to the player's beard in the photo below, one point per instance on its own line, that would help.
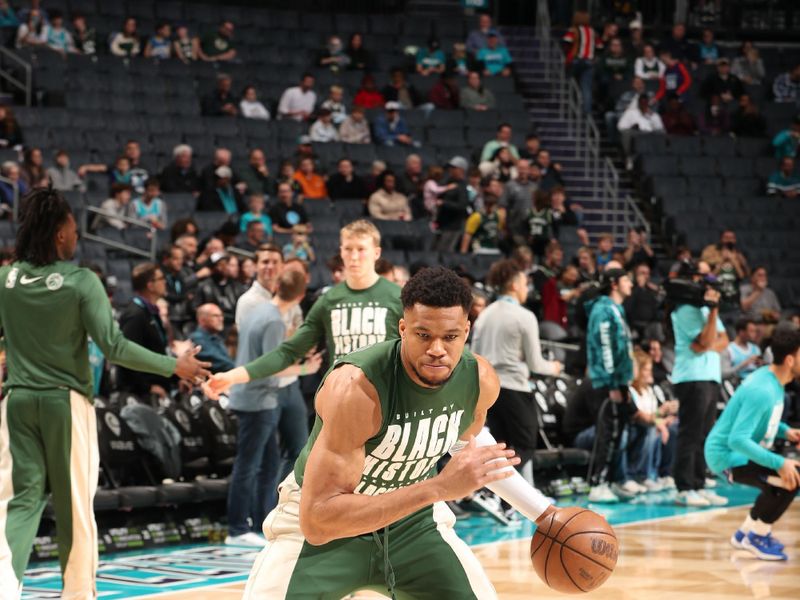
(429, 382)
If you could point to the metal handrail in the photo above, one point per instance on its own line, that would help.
(27, 85)
(15, 207)
(86, 234)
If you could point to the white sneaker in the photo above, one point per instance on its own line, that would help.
(625, 493)
(713, 499)
(633, 487)
(667, 483)
(602, 494)
(246, 539)
(691, 498)
(653, 485)
(710, 482)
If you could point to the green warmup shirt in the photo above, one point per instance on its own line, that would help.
(419, 425)
(47, 314)
(346, 319)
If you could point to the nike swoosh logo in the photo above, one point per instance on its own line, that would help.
(25, 280)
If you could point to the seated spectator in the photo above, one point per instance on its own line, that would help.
(304, 149)
(10, 170)
(460, 62)
(33, 170)
(256, 203)
(180, 175)
(218, 289)
(722, 83)
(643, 306)
(386, 203)
(730, 271)
(605, 250)
(649, 68)
(312, 184)
(391, 129)
(444, 93)
(430, 59)
(495, 57)
(355, 128)
(784, 182)
(786, 87)
(333, 56)
(84, 37)
(786, 142)
(676, 119)
(256, 177)
(676, 78)
(550, 171)
(614, 69)
(707, 50)
(368, 95)
(587, 269)
(150, 207)
(743, 355)
(300, 246)
(474, 96)
(335, 103)
(31, 32)
(287, 212)
(8, 18)
(221, 102)
(119, 204)
(747, 121)
(139, 173)
(625, 100)
(254, 235)
(125, 43)
(185, 47)
(376, 170)
(58, 38)
(640, 119)
(62, 177)
(286, 174)
(748, 66)
(662, 366)
(345, 184)
(410, 183)
(759, 302)
(177, 283)
(223, 197)
(712, 254)
(483, 228)
(714, 120)
(502, 138)
(479, 38)
(398, 90)
(638, 251)
(298, 102)
(501, 166)
(564, 211)
(251, 107)
(218, 46)
(208, 176)
(360, 59)
(160, 45)
(532, 146)
(323, 130)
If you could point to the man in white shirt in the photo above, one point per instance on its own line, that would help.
(323, 130)
(298, 102)
(640, 117)
(269, 262)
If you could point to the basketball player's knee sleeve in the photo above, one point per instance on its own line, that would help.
(515, 490)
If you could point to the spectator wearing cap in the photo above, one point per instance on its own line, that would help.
(221, 102)
(210, 324)
(62, 176)
(451, 212)
(786, 142)
(208, 176)
(495, 57)
(399, 90)
(218, 289)
(312, 184)
(722, 83)
(159, 46)
(784, 182)
(367, 96)
(430, 59)
(475, 96)
(355, 128)
(391, 129)
(386, 203)
(217, 46)
(180, 175)
(223, 197)
(287, 212)
(786, 87)
(636, 43)
(323, 130)
(707, 50)
(444, 94)
(298, 102)
(251, 107)
(479, 38)
(345, 183)
(125, 43)
(502, 138)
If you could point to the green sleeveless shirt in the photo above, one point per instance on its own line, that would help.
(419, 425)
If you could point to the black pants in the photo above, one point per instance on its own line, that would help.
(773, 501)
(696, 416)
(514, 419)
(611, 422)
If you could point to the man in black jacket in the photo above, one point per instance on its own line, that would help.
(452, 207)
(177, 287)
(180, 175)
(218, 289)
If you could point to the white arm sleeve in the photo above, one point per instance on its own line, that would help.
(514, 490)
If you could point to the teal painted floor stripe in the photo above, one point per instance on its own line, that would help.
(135, 574)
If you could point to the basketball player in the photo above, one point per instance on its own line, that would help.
(362, 310)
(48, 433)
(741, 440)
(364, 507)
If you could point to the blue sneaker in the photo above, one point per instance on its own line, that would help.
(775, 543)
(761, 547)
(736, 539)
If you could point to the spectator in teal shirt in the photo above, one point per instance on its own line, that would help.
(431, 59)
(784, 182)
(255, 203)
(495, 58)
(7, 16)
(785, 143)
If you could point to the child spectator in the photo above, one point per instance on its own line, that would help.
(256, 203)
(150, 207)
(63, 178)
(117, 205)
(58, 38)
(676, 78)
(335, 104)
(355, 128)
(300, 246)
(185, 47)
(605, 250)
(251, 107)
(159, 46)
(323, 130)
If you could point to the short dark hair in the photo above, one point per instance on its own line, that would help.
(335, 263)
(503, 124)
(383, 266)
(143, 274)
(502, 273)
(438, 287)
(118, 187)
(269, 248)
(42, 212)
(784, 343)
(742, 324)
(291, 285)
(300, 261)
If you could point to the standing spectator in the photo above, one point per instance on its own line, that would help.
(223, 196)
(85, 37)
(614, 70)
(676, 78)
(638, 251)
(743, 354)
(58, 38)
(335, 103)
(550, 171)
(185, 47)
(518, 198)
(345, 183)
(172, 263)
(218, 46)
(730, 272)
(125, 43)
(355, 128)
(502, 138)
(391, 129)
(747, 121)
(699, 338)
(298, 102)
(759, 302)
(8, 19)
(786, 87)
(707, 50)
(367, 96)
(398, 90)
(649, 68)
(479, 38)
(287, 212)
(495, 58)
(251, 107)
(255, 175)
(784, 182)
(117, 205)
(452, 206)
(160, 45)
(475, 96)
(360, 59)
(748, 66)
(786, 142)
(460, 62)
(63, 178)
(444, 93)
(539, 221)
(218, 289)
(150, 207)
(483, 229)
(255, 202)
(180, 175)
(323, 130)
(430, 59)
(580, 43)
(386, 203)
(221, 102)
(33, 170)
(722, 83)
(312, 184)
(642, 307)
(333, 56)
(210, 323)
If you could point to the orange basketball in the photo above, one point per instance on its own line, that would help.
(574, 550)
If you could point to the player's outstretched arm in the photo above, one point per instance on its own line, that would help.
(349, 408)
(220, 383)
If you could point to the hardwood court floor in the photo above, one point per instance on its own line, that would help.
(686, 558)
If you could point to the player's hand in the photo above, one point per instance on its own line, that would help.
(711, 295)
(790, 473)
(557, 368)
(793, 435)
(663, 432)
(474, 468)
(188, 367)
(217, 384)
(313, 363)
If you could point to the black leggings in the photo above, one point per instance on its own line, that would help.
(773, 501)
(611, 422)
(697, 412)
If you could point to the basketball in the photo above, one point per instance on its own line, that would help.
(574, 550)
